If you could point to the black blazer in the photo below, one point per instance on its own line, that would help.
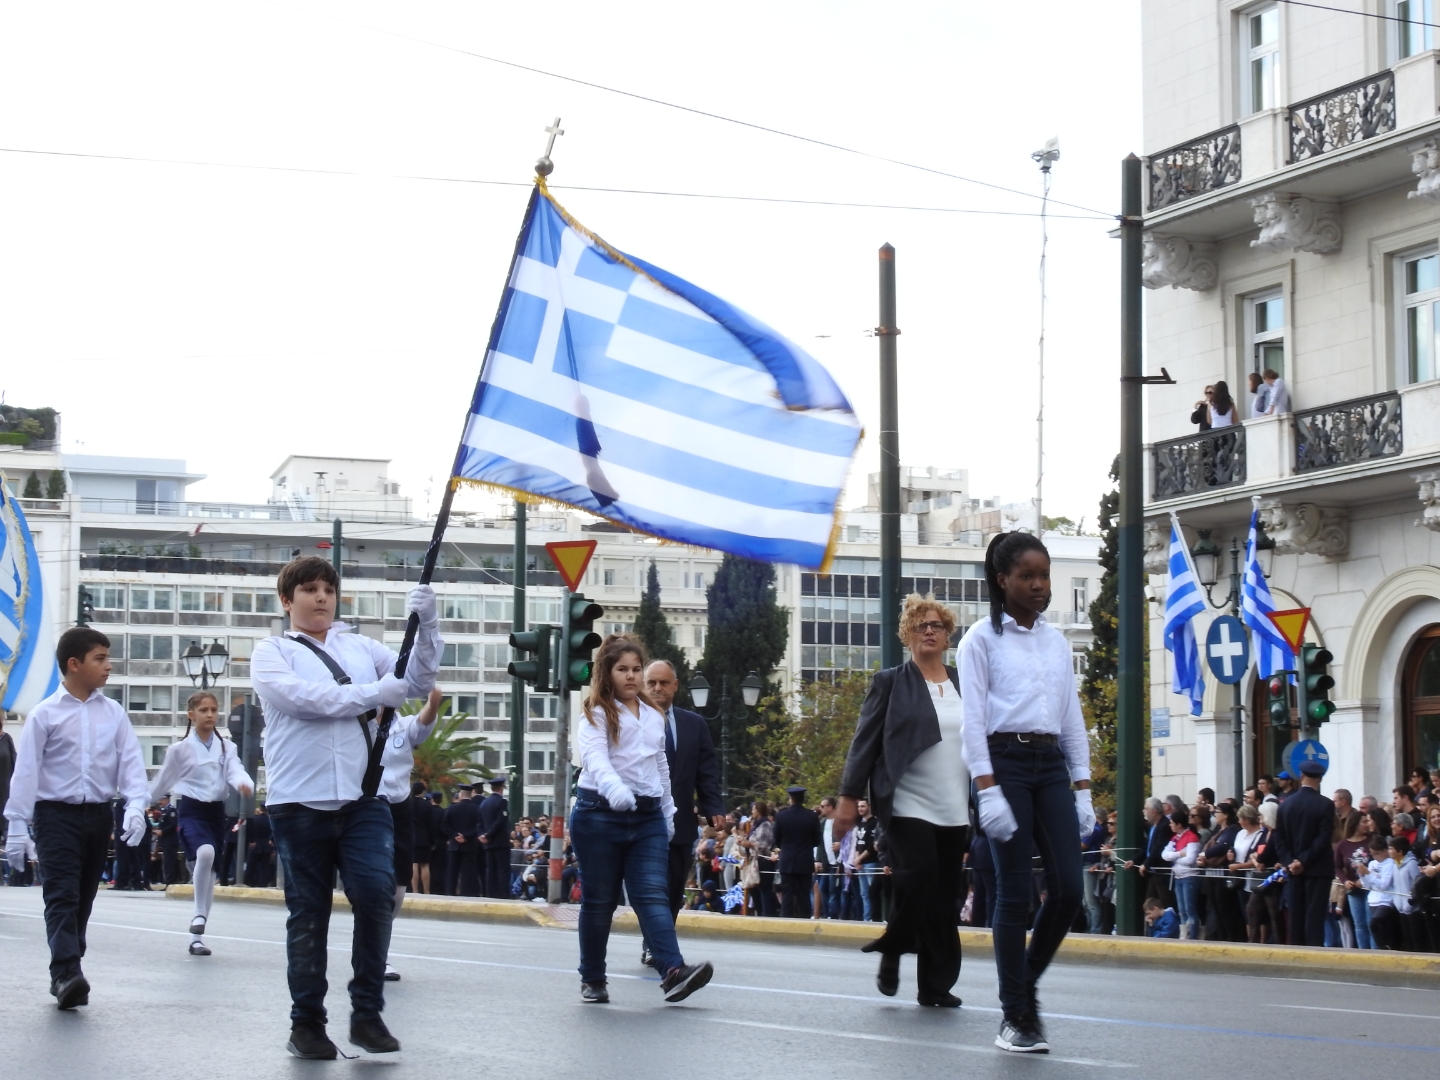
(1303, 830)
(694, 775)
(897, 723)
(462, 818)
(797, 833)
(494, 821)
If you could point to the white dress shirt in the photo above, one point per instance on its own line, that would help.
(398, 760)
(199, 771)
(1021, 681)
(936, 786)
(635, 763)
(315, 750)
(75, 751)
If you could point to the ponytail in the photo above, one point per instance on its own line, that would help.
(1000, 556)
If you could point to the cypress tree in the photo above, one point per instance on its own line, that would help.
(32, 488)
(1102, 658)
(653, 629)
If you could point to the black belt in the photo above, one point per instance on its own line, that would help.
(1005, 738)
(642, 802)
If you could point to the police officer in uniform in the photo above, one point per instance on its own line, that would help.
(797, 833)
(1302, 843)
(494, 836)
(462, 820)
(169, 841)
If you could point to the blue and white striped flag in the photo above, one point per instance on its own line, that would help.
(1183, 601)
(734, 896)
(1272, 652)
(28, 672)
(617, 388)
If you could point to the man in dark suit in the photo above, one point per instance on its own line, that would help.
(1302, 843)
(797, 833)
(1154, 870)
(462, 822)
(494, 836)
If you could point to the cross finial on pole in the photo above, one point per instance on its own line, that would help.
(544, 167)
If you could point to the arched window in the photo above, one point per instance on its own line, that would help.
(1422, 701)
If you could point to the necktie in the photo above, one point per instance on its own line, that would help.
(669, 734)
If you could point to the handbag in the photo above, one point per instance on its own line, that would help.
(750, 873)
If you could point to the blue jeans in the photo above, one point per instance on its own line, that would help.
(615, 846)
(1187, 901)
(358, 840)
(829, 880)
(1360, 917)
(1036, 783)
(869, 878)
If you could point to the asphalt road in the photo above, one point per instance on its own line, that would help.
(485, 1000)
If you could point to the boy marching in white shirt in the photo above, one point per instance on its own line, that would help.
(320, 687)
(76, 751)
(197, 771)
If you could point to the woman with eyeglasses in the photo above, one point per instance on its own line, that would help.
(907, 754)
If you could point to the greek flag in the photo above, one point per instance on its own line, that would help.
(620, 389)
(1272, 653)
(28, 673)
(734, 896)
(1183, 602)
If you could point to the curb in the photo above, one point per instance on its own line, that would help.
(1349, 965)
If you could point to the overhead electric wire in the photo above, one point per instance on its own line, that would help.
(1364, 14)
(683, 108)
(553, 187)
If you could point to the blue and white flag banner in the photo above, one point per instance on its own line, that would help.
(1272, 652)
(614, 387)
(734, 896)
(28, 672)
(1183, 601)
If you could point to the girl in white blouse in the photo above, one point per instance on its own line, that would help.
(197, 771)
(622, 822)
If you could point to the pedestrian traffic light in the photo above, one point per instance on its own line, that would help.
(583, 640)
(534, 671)
(1318, 683)
(86, 613)
(1277, 697)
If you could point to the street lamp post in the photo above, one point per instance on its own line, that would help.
(205, 665)
(1206, 554)
(750, 688)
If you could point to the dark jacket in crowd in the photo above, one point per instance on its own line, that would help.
(462, 818)
(1303, 831)
(897, 724)
(493, 821)
(798, 832)
(694, 774)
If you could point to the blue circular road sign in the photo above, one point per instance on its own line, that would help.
(1307, 750)
(1227, 649)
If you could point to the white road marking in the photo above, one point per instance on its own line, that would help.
(1360, 1012)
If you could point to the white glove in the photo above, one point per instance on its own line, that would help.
(134, 828)
(394, 691)
(669, 829)
(1085, 812)
(17, 846)
(996, 817)
(422, 603)
(620, 797)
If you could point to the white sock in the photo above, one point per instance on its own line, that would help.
(204, 879)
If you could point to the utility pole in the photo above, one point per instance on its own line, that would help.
(1133, 628)
(1045, 158)
(889, 467)
(337, 538)
(561, 781)
(517, 685)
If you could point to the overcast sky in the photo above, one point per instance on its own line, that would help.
(232, 316)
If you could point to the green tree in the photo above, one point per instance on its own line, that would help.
(55, 485)
(811, 749)
(32, 488)
(748, 632)
(447, 758)
(653, 629)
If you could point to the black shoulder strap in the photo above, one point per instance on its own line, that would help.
(341, 677)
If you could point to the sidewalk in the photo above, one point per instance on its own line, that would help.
(1348, 965)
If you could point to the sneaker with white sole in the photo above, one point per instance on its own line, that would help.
(679, 983)
(1021, 1035)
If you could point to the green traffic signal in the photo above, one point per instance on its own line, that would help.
(583, 641)
(536, 671)
(1318, 683)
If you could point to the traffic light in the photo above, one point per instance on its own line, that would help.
(1318, 683)
(86, 613)
(1277, 698)
(583, 640)
(535, 671)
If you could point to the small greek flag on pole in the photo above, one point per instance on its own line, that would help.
(1183, 601)
(28, 673)
(734, 896)
(620, 389)
(1272, 652)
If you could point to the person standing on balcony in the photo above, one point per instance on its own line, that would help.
(1259, 395)
(1222, 406)
(1201, 416)
(1279, 393)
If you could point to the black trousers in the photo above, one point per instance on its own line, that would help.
(440, 870)
(71, 842)
(496, 862)
(927, 873)
(465, 870)
(1307, 899)
(170, 861)
(797, 903)
(677, 871)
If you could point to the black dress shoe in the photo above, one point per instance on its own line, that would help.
(887, 979)
(71, 991)
(944, 1001)
(595, 993)
(372, 1036)
(198, 948)
(308, 1040)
